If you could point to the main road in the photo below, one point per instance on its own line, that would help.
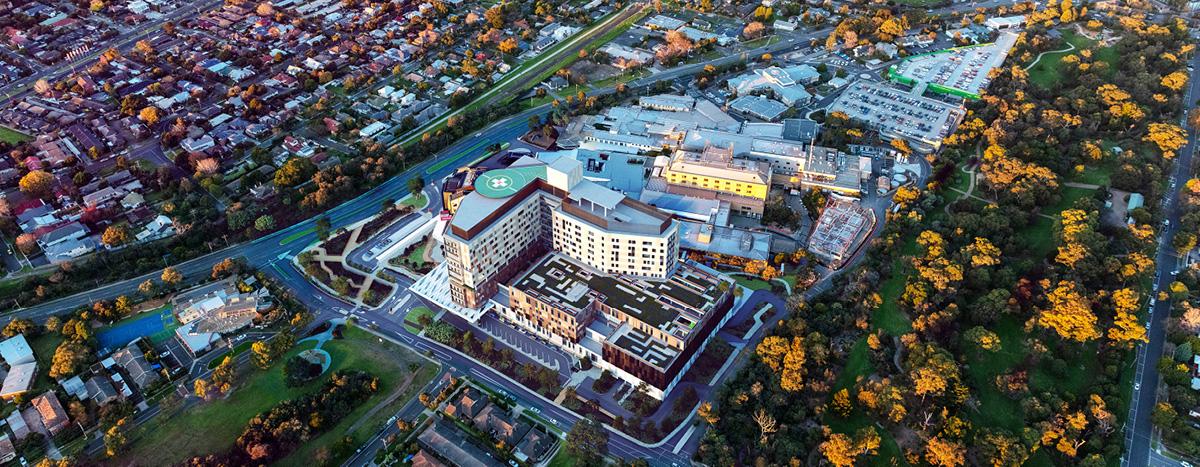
(1140, 430)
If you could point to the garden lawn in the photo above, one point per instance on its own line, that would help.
(858, 363)
(386, 361)
(751, 283)
(169, 441)
(43, 347)
(1039, 237)
(237, 350)
(11, 136)
(414, 317)
(888, 316)
(1095, 174)
(562, 459)
(418, 255)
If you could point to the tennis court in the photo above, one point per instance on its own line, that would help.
(156, 325)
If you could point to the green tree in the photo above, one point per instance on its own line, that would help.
(587, 442)
(264, 223)
(415, 185)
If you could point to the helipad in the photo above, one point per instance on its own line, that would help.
(502, 183)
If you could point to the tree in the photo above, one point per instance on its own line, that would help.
(1164, 416)
(1168, 137)
(149, 114)
(21, 326)
(264, 223)
(69, 359)
(298, 370)
(587, 442)
(115, 235)
(27, 243)
(415, 185)
(261, 355)
(707, 413)
(507, 46)
(114, 440)
(293, 172)
(1069, 314)
(200, 388)
(171, 277)
(766, 425)
(36, 183)
(222, 375)
(146, 287)
(983, 338)
(944, 453)
(224, 268)
(753, 30)
(838, 449)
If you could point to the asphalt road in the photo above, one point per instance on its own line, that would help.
(1140, 435)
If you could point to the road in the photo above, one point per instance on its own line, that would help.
(1140, 432)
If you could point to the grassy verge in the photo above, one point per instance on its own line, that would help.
(414, 317)
(416, 201)
(237, 350)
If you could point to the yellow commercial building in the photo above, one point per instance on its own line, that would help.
(744, 183)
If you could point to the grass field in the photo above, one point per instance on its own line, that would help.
(11, 136)
(169, 441)
(982, 369)
(1069, 195)
(1049, 69)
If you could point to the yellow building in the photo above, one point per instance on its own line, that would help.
(744, 183)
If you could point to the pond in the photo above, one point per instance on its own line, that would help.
(155, 325)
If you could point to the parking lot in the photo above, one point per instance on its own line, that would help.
(526, 344)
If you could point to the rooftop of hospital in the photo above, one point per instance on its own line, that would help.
(675, 305)
(496, 194)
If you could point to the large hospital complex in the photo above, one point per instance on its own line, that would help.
(584, 246)
(585, 267)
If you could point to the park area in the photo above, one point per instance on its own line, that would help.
(1048, 69)
(171, 440)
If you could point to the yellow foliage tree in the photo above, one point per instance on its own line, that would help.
(1069, 314)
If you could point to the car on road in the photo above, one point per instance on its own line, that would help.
(1137, 386)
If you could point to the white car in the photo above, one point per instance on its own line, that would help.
(1137, 386)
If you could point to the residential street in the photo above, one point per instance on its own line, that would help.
(1140, 435)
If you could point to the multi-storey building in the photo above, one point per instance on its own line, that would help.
(516, 214)
(641, 330)
(743, 183)
(586, 268)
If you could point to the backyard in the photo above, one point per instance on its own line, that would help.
(169, 441)
(11, 136)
